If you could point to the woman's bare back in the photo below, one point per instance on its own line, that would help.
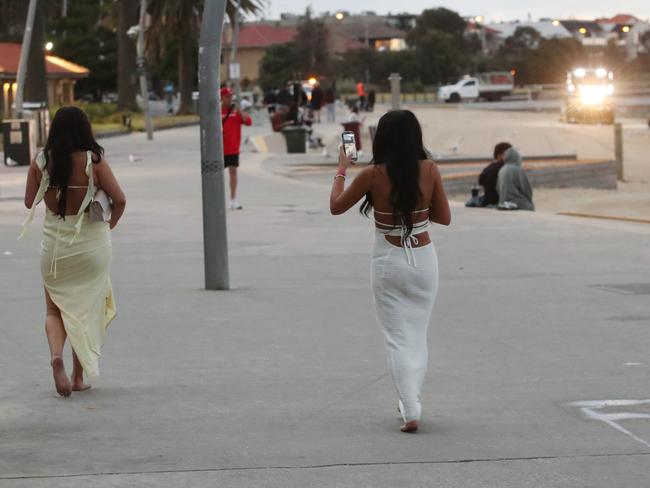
(381, 189)
(77, 186)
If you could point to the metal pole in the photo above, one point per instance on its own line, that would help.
(233, 49)
(64, 9)
(24, 56)
(395, 90)
(141, 63)
(618, 150)
(365, 18)
(215, 241)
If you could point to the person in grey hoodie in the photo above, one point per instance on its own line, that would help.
(515, 191)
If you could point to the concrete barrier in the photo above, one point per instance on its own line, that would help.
(599, 174)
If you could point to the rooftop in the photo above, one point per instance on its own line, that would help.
(54, 65)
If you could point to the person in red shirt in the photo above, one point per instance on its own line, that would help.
(232, 118)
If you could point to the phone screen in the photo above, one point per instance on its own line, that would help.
(349, 145)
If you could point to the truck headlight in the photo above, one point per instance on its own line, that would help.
(592, 95)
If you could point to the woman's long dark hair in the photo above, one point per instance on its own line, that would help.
(398, 146)
(70, 132)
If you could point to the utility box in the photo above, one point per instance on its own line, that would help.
(19, 141)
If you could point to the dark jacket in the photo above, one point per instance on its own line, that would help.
(488, 180)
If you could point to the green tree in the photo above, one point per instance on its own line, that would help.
(85, 37)
(441, 48)
(180, 20)
(127, 16)
(311, 41)
(278, 65)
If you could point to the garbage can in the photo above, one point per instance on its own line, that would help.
(296, 137)
(354, 127)
(19, 140)
(41, 114)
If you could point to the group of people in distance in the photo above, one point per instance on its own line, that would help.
(504, 182)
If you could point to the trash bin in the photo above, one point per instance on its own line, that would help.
(354, 127)
(296, 137)
(19, 140)
(41, 114)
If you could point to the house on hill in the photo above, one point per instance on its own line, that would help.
(61, 77)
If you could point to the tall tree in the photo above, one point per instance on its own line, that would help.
(127, 16)
(180, 20)
(438, 39)
(36, 82)
(87, 36)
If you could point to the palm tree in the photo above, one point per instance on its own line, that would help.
(180, 20)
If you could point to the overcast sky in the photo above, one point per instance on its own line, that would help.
(492, 11)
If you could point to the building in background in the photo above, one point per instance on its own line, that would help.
(61, 77)
(254, 38)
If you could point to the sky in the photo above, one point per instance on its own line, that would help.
(494, 11)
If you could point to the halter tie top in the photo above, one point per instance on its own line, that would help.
(408, 241)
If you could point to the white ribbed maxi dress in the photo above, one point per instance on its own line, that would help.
(405, 284)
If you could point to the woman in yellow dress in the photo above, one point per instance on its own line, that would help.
(75, 251)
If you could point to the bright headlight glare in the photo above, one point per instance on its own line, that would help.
(609, 89)
(592, 95)
(601, 72)
(579, 73)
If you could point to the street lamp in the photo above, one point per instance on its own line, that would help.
(136, 32)
(340, 16)
(49, 46)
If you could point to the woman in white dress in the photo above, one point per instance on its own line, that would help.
(404, 190)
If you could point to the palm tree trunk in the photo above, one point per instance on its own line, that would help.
(36, 81)
(127, 86)
(186, 71)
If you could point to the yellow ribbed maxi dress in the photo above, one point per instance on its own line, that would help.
(75, 265)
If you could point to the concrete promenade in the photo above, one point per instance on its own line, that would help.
(282, 382)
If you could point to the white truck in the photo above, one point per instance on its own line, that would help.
(489, 86)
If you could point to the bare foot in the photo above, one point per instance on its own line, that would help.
(80, 386)
(77, 381)
(61, 381)
(410, 427)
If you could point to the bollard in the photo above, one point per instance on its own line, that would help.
(618, 150)
(395, 90)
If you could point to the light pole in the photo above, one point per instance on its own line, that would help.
(24, 56)
(142, 69)
(235, 68)
(215, 241)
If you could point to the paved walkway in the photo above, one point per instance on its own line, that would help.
(282, 382)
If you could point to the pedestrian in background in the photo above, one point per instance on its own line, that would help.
(330, 105)
(316, 102)
(361, 93)
(404, 189)
(68, 175)
(488, 177)
(232, 119)
(513, 186)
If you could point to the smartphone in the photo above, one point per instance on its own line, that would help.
(349, 145)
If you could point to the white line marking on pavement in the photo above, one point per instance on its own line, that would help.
(590, 409)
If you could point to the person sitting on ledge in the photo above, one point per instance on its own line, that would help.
(488, 177)
(515, 191)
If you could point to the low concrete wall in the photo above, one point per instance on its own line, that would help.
(558, 174)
